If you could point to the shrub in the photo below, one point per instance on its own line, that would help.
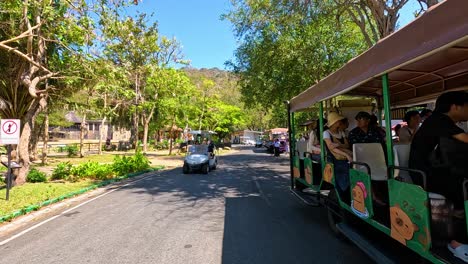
(72, 150)
(91, 170)
(124, 165)
(162, 145)
(62, 171)
(36, 176)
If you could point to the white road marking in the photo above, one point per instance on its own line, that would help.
(262, 194)
(67, 211)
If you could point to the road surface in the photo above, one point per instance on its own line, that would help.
(240, 213)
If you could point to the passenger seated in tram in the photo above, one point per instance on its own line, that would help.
(425, 113)
(397, 129)
(407, 132)
(338, 153)
(313, 144)
(367, 131)
(428, 147)
(364, 132)
(375, 124)
(344, 126)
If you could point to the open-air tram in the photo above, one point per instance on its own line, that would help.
(411, 67)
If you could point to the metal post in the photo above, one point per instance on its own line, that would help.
(379, 118)
(8, 173)
(291, 149)
(388, 121)
(322, 143)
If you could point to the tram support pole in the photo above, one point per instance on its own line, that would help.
(322, 145)
(388, 121)
(291, 141)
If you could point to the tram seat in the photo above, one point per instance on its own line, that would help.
(301, 147)
(401, 153)
(372, 154)
(442, 224)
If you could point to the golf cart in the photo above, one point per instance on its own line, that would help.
(200, 157)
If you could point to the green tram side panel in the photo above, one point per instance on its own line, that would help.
(466, 215)
(296, 167)
(409, 216)
(308, 172)
(361, 194)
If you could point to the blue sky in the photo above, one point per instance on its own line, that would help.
(206, 40)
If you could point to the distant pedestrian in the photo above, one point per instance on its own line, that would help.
(277, 147)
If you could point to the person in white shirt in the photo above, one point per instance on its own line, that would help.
(276, 145)
(412, 119)
(339, 153)
(313, 143)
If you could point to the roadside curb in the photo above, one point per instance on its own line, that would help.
(27, 209)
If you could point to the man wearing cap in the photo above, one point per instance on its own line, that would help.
(363, 133)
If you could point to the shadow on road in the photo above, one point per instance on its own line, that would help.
(261, 226)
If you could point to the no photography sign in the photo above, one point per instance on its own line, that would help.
(9, 131)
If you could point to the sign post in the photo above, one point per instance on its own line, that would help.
(9, 135)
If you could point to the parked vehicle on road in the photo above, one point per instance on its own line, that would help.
(258, 143)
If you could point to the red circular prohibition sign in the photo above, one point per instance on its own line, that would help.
(9, 127)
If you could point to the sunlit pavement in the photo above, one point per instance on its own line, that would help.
(240, 213)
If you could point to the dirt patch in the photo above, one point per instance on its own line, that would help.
(167, 161)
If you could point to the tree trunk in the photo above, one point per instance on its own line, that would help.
(45, 138)
(23, 147)
(145, 134)
(136, 120)
(35, 136)
(134, 131)
(82, 130)
(171, 135)
(101, 128)
(101, 135)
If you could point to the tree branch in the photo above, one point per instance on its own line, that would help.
(23, 56)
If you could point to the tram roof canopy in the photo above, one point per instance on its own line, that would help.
(423, 59)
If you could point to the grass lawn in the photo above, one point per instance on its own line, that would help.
(34, 193)
(104, 158)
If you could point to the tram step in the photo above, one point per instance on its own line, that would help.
(370, 249)
(444, 253)
(312, 200)
(313, 191)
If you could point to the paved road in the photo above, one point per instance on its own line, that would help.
(240, 213)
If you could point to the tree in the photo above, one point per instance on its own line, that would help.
(38, 46)
(135, 44)
(375, 18)
(171, 90)
(286, 49)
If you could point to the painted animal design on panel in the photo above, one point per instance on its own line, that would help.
(308, 175)
(402, 228)
(328, 173)
(296, 172)
(358, 204)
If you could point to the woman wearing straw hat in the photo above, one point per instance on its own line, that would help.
(338, 152)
